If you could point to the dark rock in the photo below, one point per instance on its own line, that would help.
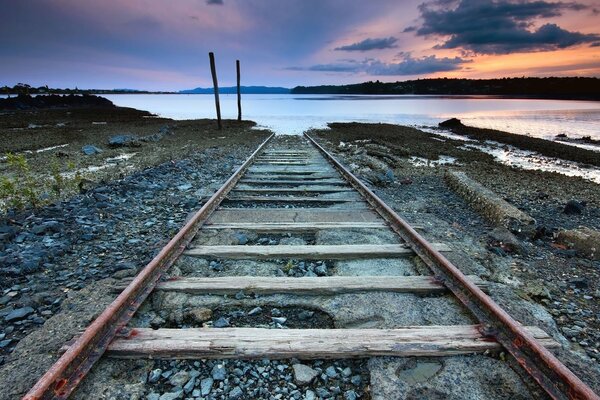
(498, 251)
(89, 150)
(206, 385)
(236, 393)
(240, 238)
(580, 283)
(126, 140)
(451, 123)
(574, 207)
(19, 314)
(221, 323)
(48, 226)
(7, 233)
(218, 372)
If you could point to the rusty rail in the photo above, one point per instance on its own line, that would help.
(552, 376)
(70, 369)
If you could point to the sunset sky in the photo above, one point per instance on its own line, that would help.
(163, 45)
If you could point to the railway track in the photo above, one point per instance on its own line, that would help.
(275, 205)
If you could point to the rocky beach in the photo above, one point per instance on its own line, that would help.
(131, 179)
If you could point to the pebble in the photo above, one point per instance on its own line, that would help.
(221, 323)
(219, 372)
(255, 310)
(19, 314)
(236, 393)
(206, 386)
(303, 374)
(179, 379)
(172, 395)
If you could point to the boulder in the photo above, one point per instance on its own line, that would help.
(89, 150)
(585, 240)
(451, 123)
(125, 140)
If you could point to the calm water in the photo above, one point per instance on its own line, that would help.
(293, 114)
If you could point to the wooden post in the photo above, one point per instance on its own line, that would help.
(213, 71)
(239, 93)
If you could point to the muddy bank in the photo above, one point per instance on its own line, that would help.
(544, 147)
(552, 282)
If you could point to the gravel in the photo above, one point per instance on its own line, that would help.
(111, 230)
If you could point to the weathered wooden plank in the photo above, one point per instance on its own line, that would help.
(316, 252)
(299, 182)
(314, 286)
(304, 177)
(291, 199)
(241, 188)
(294, 227)
(257, 343)
(264, 162)
(304, 215)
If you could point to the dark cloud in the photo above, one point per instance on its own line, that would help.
(417, 66)
(408, 66)
(499, 26)
(370, 44)
(215, 2)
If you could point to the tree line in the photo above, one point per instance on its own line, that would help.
(553, 87)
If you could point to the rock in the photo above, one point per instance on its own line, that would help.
(89, 150)
(331, 372)
(309, 395)
(240, 238)
(218, 372)
(236, 393)
(221, 323)
(504, 239)
(586, 241)
(19, 314)
(574, 207)
(179, 379)
(206, 386)
(184, 187)
(350, 395)
(172, 395)
(579, 283)
(255, 310)
(321, 270)
(153, 396)
(154, 375)
(126, 140)
(279, 320)
(451, 123)
(188, 387)
(414, 371)
(304, 315)
(48, 226)
(7, 233)
(200, 315)
(536, 288)
(303, 374)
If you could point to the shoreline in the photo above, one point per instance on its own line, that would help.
(61, 259)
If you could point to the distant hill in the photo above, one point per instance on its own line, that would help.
(555, 88)
(244, 90)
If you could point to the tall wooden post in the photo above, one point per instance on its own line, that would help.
(239, 92)
(213, 71)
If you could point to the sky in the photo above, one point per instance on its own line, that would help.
(164, 45)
